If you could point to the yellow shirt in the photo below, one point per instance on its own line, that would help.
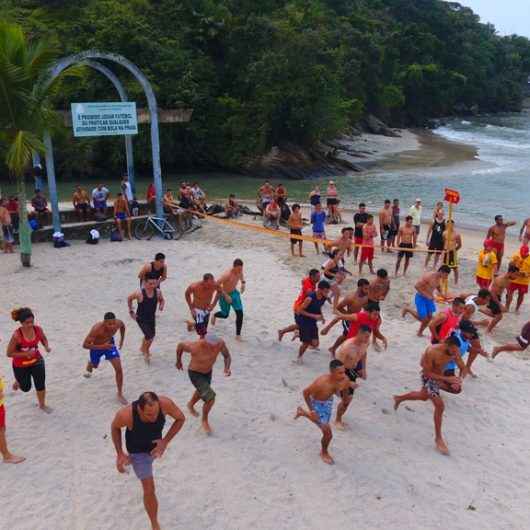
(487, 260)
(524, 268)
(2, 386)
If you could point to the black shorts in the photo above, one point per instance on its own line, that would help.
(386, 232)
(308, 329)
(148, 328)
(352, 374)
(296, 232)
(494, 307)
(24, 374)
(436, 245)
(403, 253)
(451, 259)
(83, 207)
(449, 373)
(346, 327)
(332, 201)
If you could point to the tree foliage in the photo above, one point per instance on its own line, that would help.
(268, 72)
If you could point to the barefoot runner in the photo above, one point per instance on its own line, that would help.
(7, 456)
(100, 343)
(147, 299)
(446, 321)
(521, 344)
(433, 364)
(28, 363)
(157, 267)
(201, 298)
(319, 399)
(309, 285)
(350, 304)
(143, 421)
(203, 354)
(352, 354)
(424, 299)
(307, 316)
(230, 296)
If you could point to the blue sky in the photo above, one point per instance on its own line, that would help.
(508, 16)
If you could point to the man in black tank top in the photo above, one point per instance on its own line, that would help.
(158, 268)
(144, 421)
(147, 299)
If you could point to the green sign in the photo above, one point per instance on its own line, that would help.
(104, 119)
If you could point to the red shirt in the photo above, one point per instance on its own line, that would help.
(363, 319)
(308, 286)
(25, 345)
(151, 192)
(449, 325)
(12, 206)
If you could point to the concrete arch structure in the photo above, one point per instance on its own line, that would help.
(89, 58)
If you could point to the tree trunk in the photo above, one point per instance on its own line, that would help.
(24, 231)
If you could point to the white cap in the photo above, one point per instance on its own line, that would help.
(418, 199)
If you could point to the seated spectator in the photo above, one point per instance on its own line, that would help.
(272, 215)
(169, 203)
(12, 208)
(150, 196)
(122, 214)
(100, 194)
(199, 197)
(40, 205)
(81, 202)
(232, 208)
(185, 197)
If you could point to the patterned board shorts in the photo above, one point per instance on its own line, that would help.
(432, 386)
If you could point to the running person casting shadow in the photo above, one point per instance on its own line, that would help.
(100, 343)
(28, 363)
(144, 422)
(203, 353)
(147, 299)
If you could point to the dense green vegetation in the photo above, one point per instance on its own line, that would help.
(262, 73)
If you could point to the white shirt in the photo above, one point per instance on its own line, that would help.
(100, 195)
(416, 214)
(127, 191)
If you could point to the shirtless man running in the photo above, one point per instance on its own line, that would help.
(100, 342)
(500, 284)
(319, 399)
(406, 239)
(352, 354)
(497, 233)
(379, 288)
(344, 243)
(433, 364)
(230, 296)
(203, 356)
(352, 303)
(201, 298)
(424, 299)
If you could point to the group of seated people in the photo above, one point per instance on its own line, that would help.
(272, 203)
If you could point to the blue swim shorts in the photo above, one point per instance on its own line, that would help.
(323, 409)
(142, 464)
(95, 355)
(425, 307)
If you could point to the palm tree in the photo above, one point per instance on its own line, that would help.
(25, 111)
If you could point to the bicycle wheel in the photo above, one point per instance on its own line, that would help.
(144, 230)
(171, 231)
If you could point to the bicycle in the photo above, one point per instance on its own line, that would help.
(156, 226)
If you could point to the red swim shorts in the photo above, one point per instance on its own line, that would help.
(367, 253)
(2, 417)
(483, 283)
(519, 287)
(358, 240)
(498, 246)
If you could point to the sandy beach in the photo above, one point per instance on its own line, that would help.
(260, 469)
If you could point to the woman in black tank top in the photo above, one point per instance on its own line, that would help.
(436, 241)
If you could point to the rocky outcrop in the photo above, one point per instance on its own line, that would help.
(374, 125)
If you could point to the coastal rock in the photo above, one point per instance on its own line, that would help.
(376, 126)
(291, 161)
